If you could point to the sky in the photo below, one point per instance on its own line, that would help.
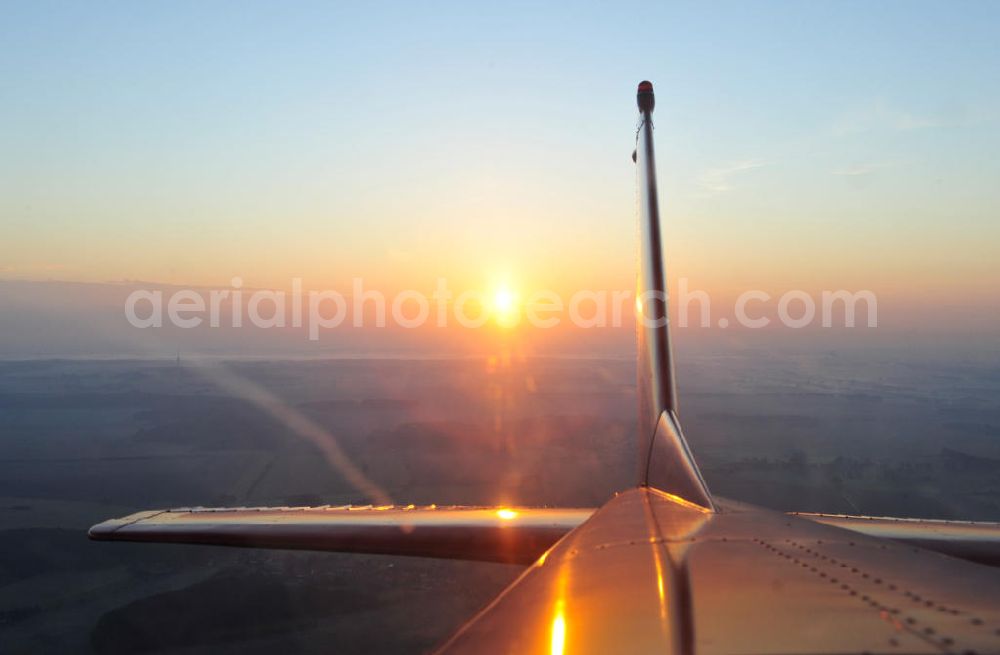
(800, 145)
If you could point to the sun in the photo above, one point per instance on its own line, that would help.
(504, 307)
(503, 301)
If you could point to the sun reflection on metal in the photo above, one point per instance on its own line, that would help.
(558, 645)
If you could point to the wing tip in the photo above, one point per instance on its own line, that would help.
(102, 531)
(105, 530)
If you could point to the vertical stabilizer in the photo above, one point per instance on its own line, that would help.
(665, 461)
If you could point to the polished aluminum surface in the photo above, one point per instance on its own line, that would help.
(972, 540)
(665, 461)
(608, 587)
(650, 573)
(515, 535)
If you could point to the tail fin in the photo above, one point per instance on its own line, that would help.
(665, 461)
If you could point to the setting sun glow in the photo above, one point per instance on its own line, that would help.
(504, 307)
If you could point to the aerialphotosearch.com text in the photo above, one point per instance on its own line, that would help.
(323, 310)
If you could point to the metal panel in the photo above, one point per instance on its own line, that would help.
(605, 588)
(972, 540)
(651, 573)
(496, 534)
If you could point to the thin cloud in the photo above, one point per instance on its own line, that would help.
(880, 116)
(719, 180)
(858, 170)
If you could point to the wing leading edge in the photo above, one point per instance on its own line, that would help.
(515, 535)
(493, 534)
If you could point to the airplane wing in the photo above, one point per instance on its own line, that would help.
(515, 535)
(976, 541)
(665, 567)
